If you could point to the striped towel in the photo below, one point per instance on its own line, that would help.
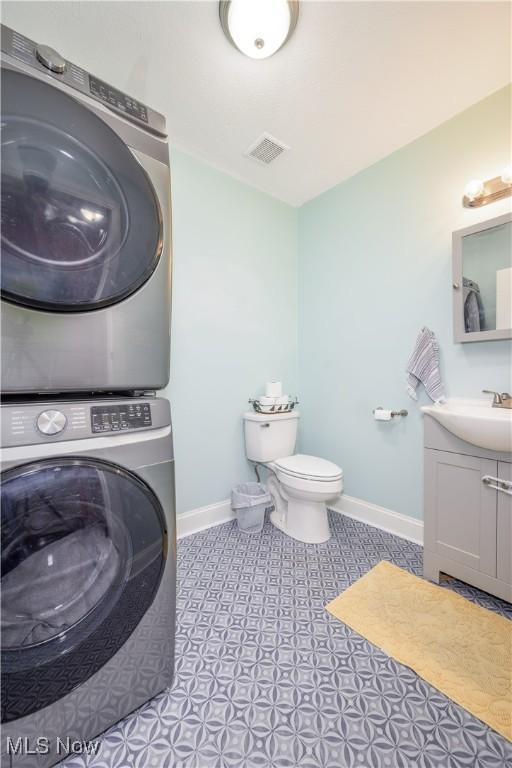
(423, 367)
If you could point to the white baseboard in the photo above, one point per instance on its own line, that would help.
(394, 522)
(380, 517)
(203, 517)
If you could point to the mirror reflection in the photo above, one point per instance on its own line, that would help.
(487, 279)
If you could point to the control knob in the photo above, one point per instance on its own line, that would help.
(51, 422)
(51, 59)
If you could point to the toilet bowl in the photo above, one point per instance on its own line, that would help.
(300, 485)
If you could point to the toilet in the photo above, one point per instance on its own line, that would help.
(300, 485)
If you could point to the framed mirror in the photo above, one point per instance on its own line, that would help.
(482, 280)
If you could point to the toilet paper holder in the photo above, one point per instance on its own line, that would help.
(402, 412)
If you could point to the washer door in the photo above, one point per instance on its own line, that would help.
(81, 224)
(83, 549)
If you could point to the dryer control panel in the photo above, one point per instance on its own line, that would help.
(50, 61)
(117, 100)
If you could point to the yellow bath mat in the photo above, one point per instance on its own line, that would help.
(461, 649)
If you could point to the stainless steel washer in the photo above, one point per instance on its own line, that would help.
(86, 230)
(88, 568)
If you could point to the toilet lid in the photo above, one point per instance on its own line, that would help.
(309, 467)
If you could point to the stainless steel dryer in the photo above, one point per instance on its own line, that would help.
(88, 569)
(86, 230)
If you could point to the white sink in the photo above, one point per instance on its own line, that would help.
(475, 421)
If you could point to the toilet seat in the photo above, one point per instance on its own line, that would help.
(306, 467)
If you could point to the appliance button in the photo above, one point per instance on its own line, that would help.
(51, 422)
(51, 59)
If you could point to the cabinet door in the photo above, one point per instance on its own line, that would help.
(460, 510)
(504, 539)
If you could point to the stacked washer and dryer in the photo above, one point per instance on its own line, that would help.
(87, 483)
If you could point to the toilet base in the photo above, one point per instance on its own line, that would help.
(305, 521)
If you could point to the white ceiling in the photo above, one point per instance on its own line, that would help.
(356, 81)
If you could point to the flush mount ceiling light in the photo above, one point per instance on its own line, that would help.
(258, 28)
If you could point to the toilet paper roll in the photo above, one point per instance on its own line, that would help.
(283, 400)
(264, 400)
(274, 389)
(381, 414)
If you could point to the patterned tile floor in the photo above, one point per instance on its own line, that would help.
(266, 678)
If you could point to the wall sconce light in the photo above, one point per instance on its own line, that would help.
(506, 175)
(477, 192)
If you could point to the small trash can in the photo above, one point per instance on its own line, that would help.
(249, 501)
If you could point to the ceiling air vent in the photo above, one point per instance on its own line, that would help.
(265, 149)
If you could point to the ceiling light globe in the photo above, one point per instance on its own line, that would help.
(474, 189)
(258, 28)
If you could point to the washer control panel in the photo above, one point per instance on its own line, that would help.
(115, 418)
(51, 422)
(33, 423)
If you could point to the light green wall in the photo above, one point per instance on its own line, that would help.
(374, 266)
(234, 320)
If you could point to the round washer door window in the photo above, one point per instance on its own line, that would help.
(83, 549)
(81, 224)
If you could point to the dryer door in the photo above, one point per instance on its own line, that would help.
(81, 224)
(83, 549)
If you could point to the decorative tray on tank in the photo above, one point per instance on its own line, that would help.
(275, 408)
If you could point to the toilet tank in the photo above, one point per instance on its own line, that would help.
(269, 437)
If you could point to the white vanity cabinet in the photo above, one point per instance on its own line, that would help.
(468, 514)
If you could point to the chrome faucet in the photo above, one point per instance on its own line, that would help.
(499, 401)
